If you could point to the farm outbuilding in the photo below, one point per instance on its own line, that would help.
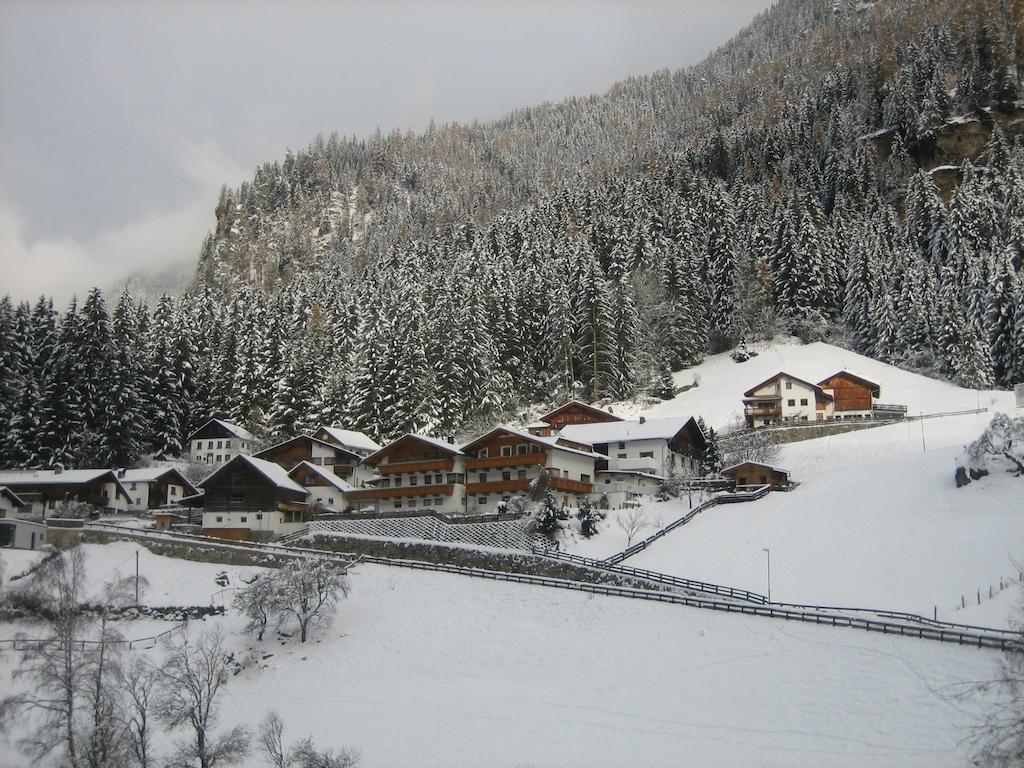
(754, 473)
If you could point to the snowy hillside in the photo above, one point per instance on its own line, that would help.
(722, 382)
(469, 672)
(876, 522)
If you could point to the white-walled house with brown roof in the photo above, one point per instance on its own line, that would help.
(786, 398)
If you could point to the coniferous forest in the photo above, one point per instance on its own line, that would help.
(843, 170)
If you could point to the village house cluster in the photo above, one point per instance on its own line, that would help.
(253, 492)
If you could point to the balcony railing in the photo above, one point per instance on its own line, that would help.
(408, 490)
(437, 465)
(763, 412)
(523, 460)
(499, 486)
(571, 486)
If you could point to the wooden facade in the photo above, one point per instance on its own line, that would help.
(851, 392)
(238, 486)
(293, 452)
(754, 473)
(416, 472)
(574, 412)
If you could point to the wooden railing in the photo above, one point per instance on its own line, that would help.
(491, 462)
(498, 486)
(437, 465)
(571, 486)
(405, 490)
(962, 634)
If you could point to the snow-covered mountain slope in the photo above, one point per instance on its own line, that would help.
(876, 522)
(722, 382)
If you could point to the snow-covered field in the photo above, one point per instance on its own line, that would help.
(423, 669)
(722, 382)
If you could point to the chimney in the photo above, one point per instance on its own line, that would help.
(121, 472)
(58, 469)
(451, 439)
(643, 419)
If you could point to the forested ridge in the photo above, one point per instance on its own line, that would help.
(587, 248)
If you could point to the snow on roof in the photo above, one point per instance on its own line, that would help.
(330, 477)
(234, 429)
(580, 404)
(146, 474)
(52, 477)
(312, 439)
(750, 392)
(648, 475)
(624, 431)
(352, 439)
(437, 442)
(15, 499)
(552, 442)
(273, 472)
(538, 425)
(756, 464)
(852, 374)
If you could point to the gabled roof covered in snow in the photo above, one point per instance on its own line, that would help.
(18, 479)
(625, 431)
(152, 474)
(348, 438)
(733, 467)
(225, 427)
(12, 497)
(810, 385)
(433, 442)
(271, 471)
(267, 452)
(547, 442)
(328, 477)
(597, 413)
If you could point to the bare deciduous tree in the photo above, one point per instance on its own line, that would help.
(139, 686)
(191, 679)
(304, 754)
(258, 603)
(309, 591)
(632, 522)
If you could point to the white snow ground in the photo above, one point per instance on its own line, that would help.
(422, 669)
(877, 521)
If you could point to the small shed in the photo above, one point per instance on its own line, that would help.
(755, 473)
(21, 534)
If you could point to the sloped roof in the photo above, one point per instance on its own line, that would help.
(750, 392)
(12, 496)
(444, 445)
(240, 432)
(330, 477)
(624, 431)
(731, 467)
(31, 477)
(550, 442)
(876, 388)
(352, 439)
(579, 404)
(273, 472)
(152, 474)
(332, 446)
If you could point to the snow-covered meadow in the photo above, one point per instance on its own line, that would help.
(423, 669)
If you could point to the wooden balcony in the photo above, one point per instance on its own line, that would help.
(763, 413)
(523, 486)
(437, 465)
(524, 460)
(499, 486)
(571, 486)
(363, 494)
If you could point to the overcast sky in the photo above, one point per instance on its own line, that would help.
(119, 121)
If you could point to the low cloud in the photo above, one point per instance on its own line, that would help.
(152, 243)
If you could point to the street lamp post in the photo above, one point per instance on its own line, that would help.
(769, 554)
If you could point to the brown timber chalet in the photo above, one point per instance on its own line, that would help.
(415, 472)
(505, 462)
(573, 412)
(755, 473)
(47, 491)
(252, 498)
(854, 395)
(293, 452)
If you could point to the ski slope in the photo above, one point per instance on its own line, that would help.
(721, 383)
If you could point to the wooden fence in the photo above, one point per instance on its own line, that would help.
(922, 628)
